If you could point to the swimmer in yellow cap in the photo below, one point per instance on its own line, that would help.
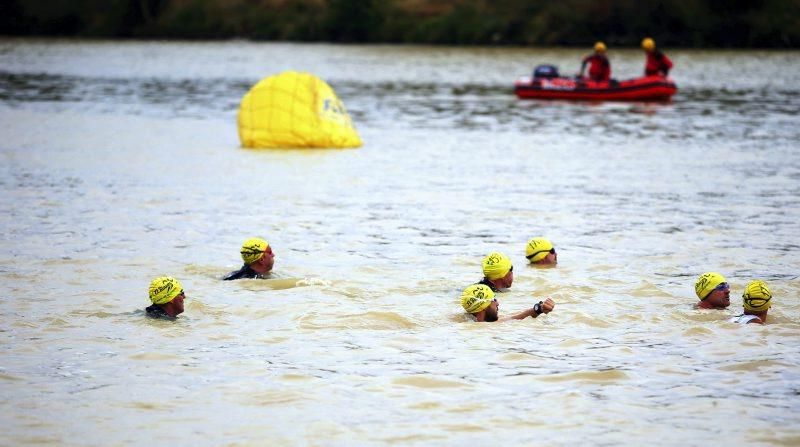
(713, 291)
(258, 260)
(756, 300)
(540, 251)
(166, 294)
(498, 273)
(478, 300)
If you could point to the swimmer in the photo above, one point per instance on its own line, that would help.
(713, 291)
(498, 273)
(479, 301)
(258, 260)
(167, 296)
(540, 251)
(756, 300)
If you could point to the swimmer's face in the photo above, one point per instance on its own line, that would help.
(720, 297)
(264, 263)
(177, 304)
(550, 259)
(491, 311)
(269, 258)
(507, 280)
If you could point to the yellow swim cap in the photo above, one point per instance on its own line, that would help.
(757, 297)
(253, 249)
(476, 297)
(600, 47)
(706, 283)
(537, 249)
(164, 289)
(648, 44)
(496, 265)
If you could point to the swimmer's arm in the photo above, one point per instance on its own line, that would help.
(545, 306)
(520, 316)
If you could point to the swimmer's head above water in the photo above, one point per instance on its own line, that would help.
(257, 254)
(540, 251)
(166, 294)
(479, 301)
(713, 291)
(756, 297)
(497, 269)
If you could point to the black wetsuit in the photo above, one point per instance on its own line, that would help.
(485, 281)
(244, 272)
(155, 311)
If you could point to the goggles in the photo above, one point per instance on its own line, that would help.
(721, 286)
(551, 251)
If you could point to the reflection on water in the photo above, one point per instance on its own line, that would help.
(188, 98)
(121, 163)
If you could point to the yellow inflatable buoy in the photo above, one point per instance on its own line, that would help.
(294, 109)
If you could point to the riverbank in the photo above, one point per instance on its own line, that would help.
(698, 24)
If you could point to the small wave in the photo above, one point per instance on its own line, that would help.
(428, 382)
(755, 365)
(367, 320)
(9, 377)
(611, 375)
(152, 356)
(591, 321)
(278, 283)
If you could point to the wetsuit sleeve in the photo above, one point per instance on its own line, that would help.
(244, 272)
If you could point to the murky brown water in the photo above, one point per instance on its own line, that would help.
(120, 162)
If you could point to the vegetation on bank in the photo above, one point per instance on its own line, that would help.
(676, 23)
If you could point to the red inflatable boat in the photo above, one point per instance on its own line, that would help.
(648, 88)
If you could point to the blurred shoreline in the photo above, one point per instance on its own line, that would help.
(571, 23)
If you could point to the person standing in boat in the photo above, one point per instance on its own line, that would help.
(658, 64)
(756, 300)
(599, 67)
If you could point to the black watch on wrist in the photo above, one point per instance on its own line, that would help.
(537, 308)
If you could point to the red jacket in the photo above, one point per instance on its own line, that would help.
(658, 64)
(599, 67)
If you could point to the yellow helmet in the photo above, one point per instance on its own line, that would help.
(648, 44)
(164, 289)
(757, 296)
(537, 249)
(496, 265)
(706, 283)
(600, 47)
(253, 249)
(476, 298)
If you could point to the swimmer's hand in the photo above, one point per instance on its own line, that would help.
(542, 307)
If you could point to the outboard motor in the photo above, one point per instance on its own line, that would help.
(545, 71)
